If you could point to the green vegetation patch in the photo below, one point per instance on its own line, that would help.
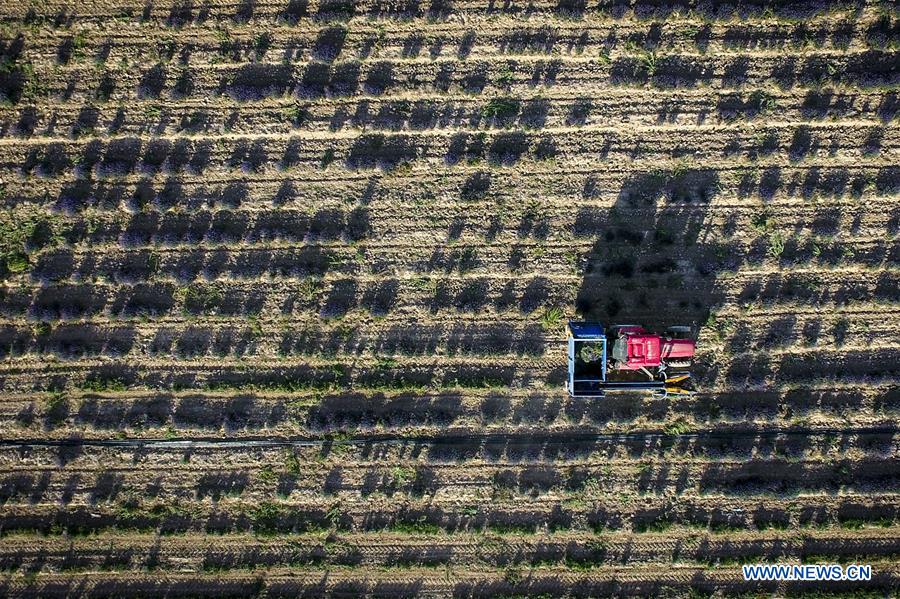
(24, 234)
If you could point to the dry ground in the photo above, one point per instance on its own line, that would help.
(318, 255)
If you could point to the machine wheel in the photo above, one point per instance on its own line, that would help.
(679, 332)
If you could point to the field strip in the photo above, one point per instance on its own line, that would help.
(889, 143)
(300, 321)
(284, 287)
(512, 439)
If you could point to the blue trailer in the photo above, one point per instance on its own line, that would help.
(627, 357)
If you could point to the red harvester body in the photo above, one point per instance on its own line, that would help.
(635, 349)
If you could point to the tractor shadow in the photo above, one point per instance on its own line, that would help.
(655, 260)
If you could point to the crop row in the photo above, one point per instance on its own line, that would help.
(391, 339)
(161, 156)
(637, 107)
(577, 552)
(414, 582)
(255, 81)
(476, 39)
(743, 371)
(576, 449)
(468, 294)
(268, 517)
(861, 476)
(610, 260)
(577, 192)
(349, 410)
(176, 14)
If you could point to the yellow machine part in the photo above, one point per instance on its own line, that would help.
(671, 388)
(678, 391)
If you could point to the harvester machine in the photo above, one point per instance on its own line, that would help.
(628, 357)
